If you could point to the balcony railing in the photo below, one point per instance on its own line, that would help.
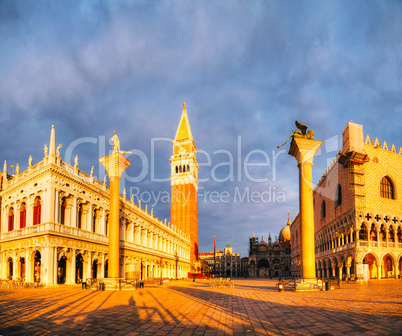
(53, 227)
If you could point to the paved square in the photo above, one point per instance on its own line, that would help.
(253, 307)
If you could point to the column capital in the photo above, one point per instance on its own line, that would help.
(304, 149)
(115, 164)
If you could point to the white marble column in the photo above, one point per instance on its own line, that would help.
(103, 223)
(102, 269)
(15, 266)
(71, 270)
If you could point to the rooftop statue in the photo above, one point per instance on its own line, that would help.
(58, 150)
(301, 133)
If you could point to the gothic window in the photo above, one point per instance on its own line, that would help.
(386, 188)
(323, 210)
(363, 232)
(338, 196)
(382, 234)
(399, 235)
(23, 216)
(63, 211)
(11, 219)
(373, 233)
(391, 234)
(37, 211)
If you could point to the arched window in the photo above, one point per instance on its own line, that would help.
(184, 168)
(188, 168)
(391, 234)
(11, 219)
(338, 196)
(177, 169)
(382, 234)
(63, 207)
(323, 210)
(297, 236)
(180, 169)
(80, 213)
(37, 211)
(23, 216)
(386, 188)
(399, 235)
(363, 232)
(373, 233)
(94, 221)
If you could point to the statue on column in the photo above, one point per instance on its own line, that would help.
(301, 133)
(116, 143)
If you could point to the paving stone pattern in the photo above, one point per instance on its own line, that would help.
(253, 307)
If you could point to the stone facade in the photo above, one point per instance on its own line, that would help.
(357, 211)
(54, 229)
(269, 259)
(227, 263)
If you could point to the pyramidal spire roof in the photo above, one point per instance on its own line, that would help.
(184, 130)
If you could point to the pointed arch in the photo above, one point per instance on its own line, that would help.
(323, 210)
(387, 188)
(338, 196)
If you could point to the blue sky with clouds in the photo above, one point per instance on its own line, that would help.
(247, 70)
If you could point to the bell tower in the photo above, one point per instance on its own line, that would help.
(184, 184)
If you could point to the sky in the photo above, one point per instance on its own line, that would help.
(246, 70)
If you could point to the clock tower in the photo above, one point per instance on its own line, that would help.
(184, 184)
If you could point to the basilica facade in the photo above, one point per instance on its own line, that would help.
(357, 211)
(54, 223)
(271, 258)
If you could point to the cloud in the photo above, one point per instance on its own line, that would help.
(246, 69)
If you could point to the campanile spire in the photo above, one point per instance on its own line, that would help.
(184, 183)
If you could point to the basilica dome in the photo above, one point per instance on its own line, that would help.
(285, 232)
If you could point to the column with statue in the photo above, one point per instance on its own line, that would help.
(303, 147)
(115, 164)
